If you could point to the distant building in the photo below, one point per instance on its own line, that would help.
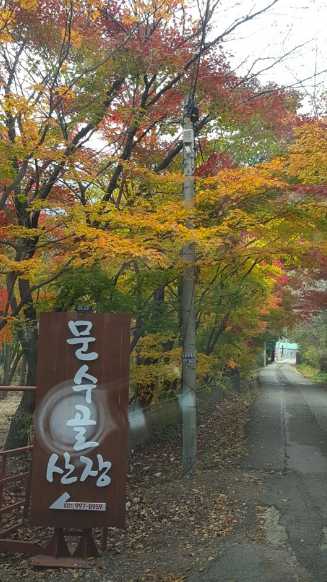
(286, 351)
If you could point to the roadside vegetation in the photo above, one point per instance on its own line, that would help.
(312, 373)
(91, 182)
(312, 337)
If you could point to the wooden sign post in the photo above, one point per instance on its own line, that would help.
(79, 463)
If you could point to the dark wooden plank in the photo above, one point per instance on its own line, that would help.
(56, 405)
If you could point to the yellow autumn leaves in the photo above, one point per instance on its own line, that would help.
(307, 160)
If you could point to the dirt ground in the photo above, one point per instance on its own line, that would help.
(175, 525)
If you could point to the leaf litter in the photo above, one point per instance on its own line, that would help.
(174, 523)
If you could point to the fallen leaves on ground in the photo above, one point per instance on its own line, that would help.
(174, 523)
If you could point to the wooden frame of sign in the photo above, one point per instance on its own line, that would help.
(79, 463)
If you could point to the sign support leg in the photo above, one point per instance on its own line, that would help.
(86, 547)
(58, 547)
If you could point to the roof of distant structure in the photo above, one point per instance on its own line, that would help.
(287, 345)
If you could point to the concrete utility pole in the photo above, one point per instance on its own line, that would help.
(188, 399)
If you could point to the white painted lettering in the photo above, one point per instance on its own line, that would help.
(81, 444)
(75, 325)
(82, 417)
(66, 479)
(66, 474)
(52, 467)
(81, 353)
(103, 480)
(87, 471)
(82, 374)
(88, 389)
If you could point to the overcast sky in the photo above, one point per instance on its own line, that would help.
(288, 24)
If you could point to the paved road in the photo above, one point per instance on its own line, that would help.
(288, 446)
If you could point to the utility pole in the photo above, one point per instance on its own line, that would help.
(188, 398)
(264, 354)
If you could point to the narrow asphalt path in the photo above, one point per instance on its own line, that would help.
(288, 448)
(288, 436)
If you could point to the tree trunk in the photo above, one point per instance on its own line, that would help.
(11, 356)
(5, 360)
(20, 426)
(23, 371)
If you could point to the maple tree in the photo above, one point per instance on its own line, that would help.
(91, 179)
(306, 169)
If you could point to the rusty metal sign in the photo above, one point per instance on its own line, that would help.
(79, 463)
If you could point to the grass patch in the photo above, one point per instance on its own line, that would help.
(312, 373)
